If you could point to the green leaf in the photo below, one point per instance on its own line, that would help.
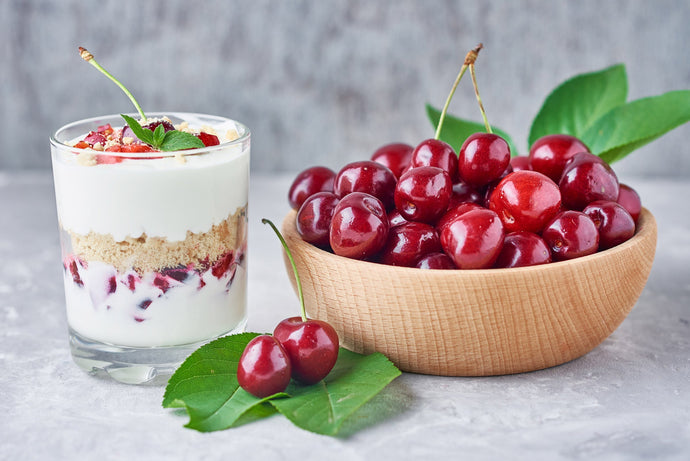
(574, 106)
(630, 126)
(455, 130)
(179, 140)
(158, 135)
(324, 407)
(206, 386)
(144, 134)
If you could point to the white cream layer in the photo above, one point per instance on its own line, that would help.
(161, 198)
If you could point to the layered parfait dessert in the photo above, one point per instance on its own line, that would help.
(154, 242)
(152, 212)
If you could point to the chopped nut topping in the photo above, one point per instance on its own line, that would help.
(127, 140)
(180, 158)
(86, 159)
(232, 134)
(208, 129)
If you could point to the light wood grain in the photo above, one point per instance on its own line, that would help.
(475, 322)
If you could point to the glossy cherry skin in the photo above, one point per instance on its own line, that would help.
(614, 223)
(264, 368)
(434, 152)
(395, 156)
(395, 218)
(436, 261)
(586, 179)
(630, 199)
(522, 249)
(369, 177)
(312, 347)
(359, 227)
(483, 157)
(525, 201)
(408, 242)
(454, 212)
(313, 220)
(462, 192)
(520, 162)
(309, 182)
(571, 234)
(473, 240)
(422, 194)
(549, 154)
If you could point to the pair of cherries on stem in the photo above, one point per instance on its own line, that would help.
(300, 348)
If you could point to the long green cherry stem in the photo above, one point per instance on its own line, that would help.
(294, 267)
(470, 58)
(88, 57)
(479, 99)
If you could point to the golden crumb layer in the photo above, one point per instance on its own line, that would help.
(146, 254)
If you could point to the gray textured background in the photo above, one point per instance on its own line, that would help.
(328, 82)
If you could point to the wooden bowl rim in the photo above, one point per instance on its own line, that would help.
(645, 229)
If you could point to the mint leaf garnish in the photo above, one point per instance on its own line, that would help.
(455, 130)
(206, 386)
(158, 135)
(170, 141)
(144, 134)
(578, 102)
(179, 140)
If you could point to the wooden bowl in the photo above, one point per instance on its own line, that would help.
(475, 322)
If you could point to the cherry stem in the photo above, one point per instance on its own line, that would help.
(470, 58)
(294, 267)
(479, 99)
(88, 57)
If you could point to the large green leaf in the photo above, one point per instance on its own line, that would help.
(206, 386)
(324, 407)
(455, 130)
(630, 126)
(575, 105)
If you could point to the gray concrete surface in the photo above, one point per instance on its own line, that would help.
(628, 399)
(328, 82)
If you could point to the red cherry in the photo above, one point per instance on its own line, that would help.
(437, 261)
(366, 176)
(525, 201)
(483, 158)
(359, 226)
(308, 182)
(454, 212)
(311, 345)
(433, 152)
(520, 162)
(473, 240)
(208, 139)
(549, 154)
(264, 368)
(395, 156)
(571, 234)
(313, 220)
(630, 200)
(586, 178)
(614, 223)
(523, 249)
(408, 242)
(395, 218)
(422, 194)
(462, 193)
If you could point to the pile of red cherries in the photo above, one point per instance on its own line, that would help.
(430, 208)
